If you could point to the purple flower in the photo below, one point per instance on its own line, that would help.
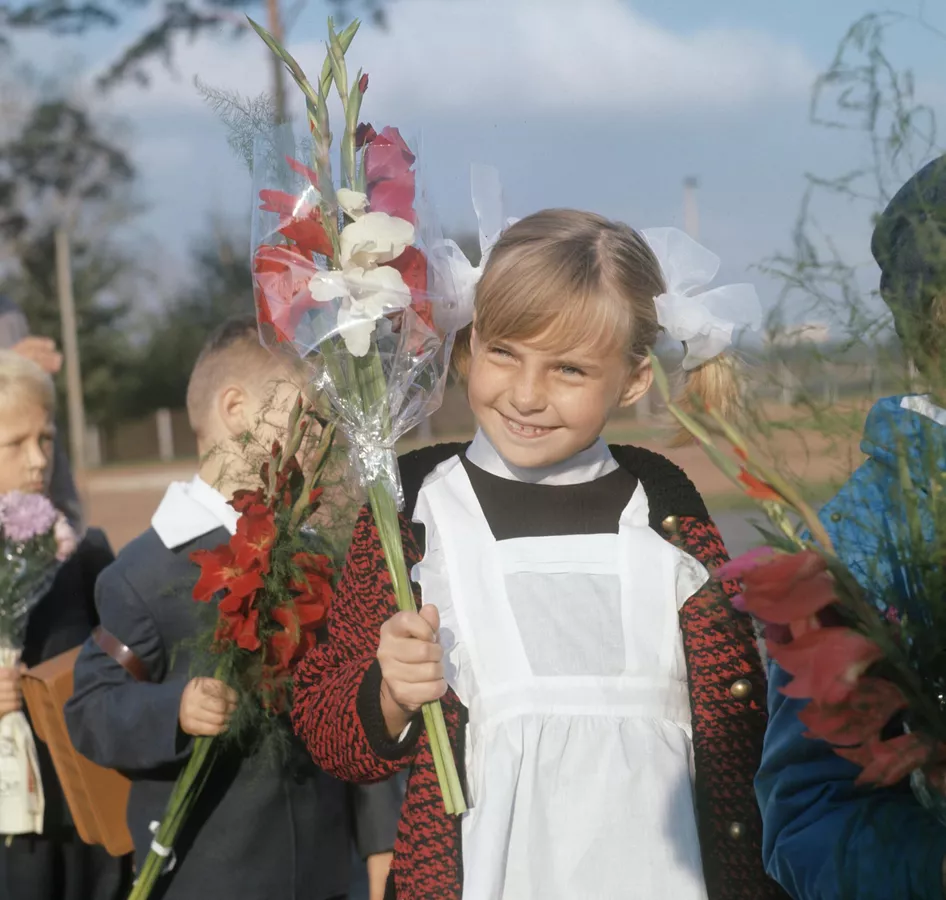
(26, 516)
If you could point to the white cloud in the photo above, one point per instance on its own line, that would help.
(510, 58)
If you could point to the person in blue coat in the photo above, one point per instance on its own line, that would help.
(823, 837)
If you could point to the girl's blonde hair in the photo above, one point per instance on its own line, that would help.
(572, 277)
(22, 379)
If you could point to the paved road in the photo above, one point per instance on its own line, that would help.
(737, 531)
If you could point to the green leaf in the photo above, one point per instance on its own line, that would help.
(336, 55)
(344, 39)
(660, 378)
(295, 70)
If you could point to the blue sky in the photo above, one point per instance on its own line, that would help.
(603, 104)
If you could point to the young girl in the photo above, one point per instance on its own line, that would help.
(54, 864)
(605, 705)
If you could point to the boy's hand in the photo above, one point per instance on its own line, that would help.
(411, 666)
(206, 707)
(11, 697)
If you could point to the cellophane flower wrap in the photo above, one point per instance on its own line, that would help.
(35, 540)
(864, 649)
(269, 589)
(346, 276)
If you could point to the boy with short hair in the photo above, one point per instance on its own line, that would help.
(257, 832)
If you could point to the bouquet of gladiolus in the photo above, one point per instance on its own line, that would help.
(273, 591)
(346, 278)
(36, 539)
(874, 674)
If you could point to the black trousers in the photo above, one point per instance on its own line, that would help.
(60, 867)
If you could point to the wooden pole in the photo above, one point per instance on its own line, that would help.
(70, 349)
(275, 26)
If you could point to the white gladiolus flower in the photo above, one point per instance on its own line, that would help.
(353, 203)
(373, 239)
(363, 295)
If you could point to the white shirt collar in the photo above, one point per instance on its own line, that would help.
(190, 510)
(921, 404)
(586, 466)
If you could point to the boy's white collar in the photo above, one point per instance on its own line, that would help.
(190, 510)
(586, 466)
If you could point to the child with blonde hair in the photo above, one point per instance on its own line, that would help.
(53, 864)
(605, 704)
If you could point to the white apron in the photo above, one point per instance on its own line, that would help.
(568, 655)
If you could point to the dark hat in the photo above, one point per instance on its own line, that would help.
(909, 244)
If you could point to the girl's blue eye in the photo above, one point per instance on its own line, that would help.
(500, 351)
(571, 370)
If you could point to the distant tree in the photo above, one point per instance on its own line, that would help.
(220, 287)
(58, 164)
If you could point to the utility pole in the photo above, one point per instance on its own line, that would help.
(691, 214)
(70, 346)
(275, 26)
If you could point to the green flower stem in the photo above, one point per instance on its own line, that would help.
(186, 791)
(373, 399)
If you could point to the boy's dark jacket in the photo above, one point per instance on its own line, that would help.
(259, 831)
(63, 619)
(338, 712)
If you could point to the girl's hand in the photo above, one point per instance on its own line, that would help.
(66, 539)
(411, 666)
(11, 697)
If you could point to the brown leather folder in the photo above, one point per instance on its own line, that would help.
(97, 797)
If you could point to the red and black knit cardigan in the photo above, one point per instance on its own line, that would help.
(338, 714)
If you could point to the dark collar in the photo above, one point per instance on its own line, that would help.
(669, 491)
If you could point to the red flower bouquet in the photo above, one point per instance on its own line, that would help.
(272, 590)
(874, 680)
(347, 278)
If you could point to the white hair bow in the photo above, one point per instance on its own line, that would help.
(703, 321)
(488, 205)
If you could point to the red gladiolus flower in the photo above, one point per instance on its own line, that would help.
(301, 169)
(253, 541)
(826, 663)
(281, 276)
(387, 157)
(885, 763)
(363, 83)
(364, 134)
(283, 645)
(241, 628)
(759, 489)
(740, 566)
(789, 588)
(298, 220)
(860, 717)
(394, 196)
(219, 572)
(390, 180)
(251, 502)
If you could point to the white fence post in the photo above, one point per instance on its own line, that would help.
(165, 435)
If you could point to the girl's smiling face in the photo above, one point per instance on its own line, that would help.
(26, 446)
(541, 405)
